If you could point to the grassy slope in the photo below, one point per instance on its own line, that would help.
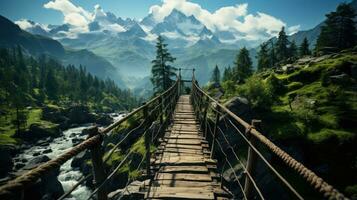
(8, 129)
(330, 105)
(323, 118)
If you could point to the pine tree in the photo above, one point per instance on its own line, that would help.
(282, 46)
(272, 55)
(161, 71)
(293, 51)
(227, 74)
(216, 75)
(304, 48)
(51, 85)
(243, 65)
(263, 57)
(339, 31)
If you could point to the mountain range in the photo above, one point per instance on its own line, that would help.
(124, 48)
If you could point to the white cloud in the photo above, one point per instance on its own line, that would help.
(258, 26)
(24, 24)
(73, 15)
(293, 29)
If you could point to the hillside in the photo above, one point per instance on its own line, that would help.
(11, 36)
(310, 109)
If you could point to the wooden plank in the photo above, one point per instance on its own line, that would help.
(183, 177)
(183, 136)
(184, 141)
(178, 183)
(177, 150)
(183, 146)
(181, 169)
(174, 193)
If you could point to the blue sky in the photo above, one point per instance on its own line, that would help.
(306, 13)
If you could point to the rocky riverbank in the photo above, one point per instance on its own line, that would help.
(41, 143)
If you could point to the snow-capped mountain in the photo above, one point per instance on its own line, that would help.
(129, 45)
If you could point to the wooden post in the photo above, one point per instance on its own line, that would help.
(251, 161)
(215, 130)
(147, 140)
(98, 166)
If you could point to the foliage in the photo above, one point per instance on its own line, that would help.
(216, 75)
(263, 57)
(162, 72)
(339, 31)
(50, 81)
(282, 51)
(227, 74)
(293, 51)
(229, 87)
(304, 48)
(258, 93)
(243, 65)
(275, 86)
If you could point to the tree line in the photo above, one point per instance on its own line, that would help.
(26, 81)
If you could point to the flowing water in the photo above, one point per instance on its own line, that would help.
(68, 176)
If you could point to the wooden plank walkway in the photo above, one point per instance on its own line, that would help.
(182, 163)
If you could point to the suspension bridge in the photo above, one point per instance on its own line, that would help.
(192, 150)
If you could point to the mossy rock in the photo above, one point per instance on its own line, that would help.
(40, 130)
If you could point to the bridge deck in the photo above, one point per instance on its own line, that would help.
(183, 166)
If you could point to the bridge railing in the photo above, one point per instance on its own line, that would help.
(211, 114)
(159, 109)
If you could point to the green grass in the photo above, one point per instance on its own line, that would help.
(325, 134)
(7, 128)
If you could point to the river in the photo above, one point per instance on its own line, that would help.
(68, 176)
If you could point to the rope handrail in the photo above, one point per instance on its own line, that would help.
(314, 180)
(22, 182)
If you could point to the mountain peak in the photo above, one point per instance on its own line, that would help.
(175, 16)
(205, 32)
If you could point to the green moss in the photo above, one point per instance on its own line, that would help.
(139, 146)
(325, 134)
(294, 86)
(329, 120)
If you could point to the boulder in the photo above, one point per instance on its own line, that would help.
(289, 68)
(53, 114)
(104, 119)
(36, 154)
(47, 151)
(19, 166)
(79, 114)
(36, 161)
(80, 158)
(76, 141)
(40, 130)
(240, 107)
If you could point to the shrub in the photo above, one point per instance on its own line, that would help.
(257, 92)
(228, 87)
(275, 85)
